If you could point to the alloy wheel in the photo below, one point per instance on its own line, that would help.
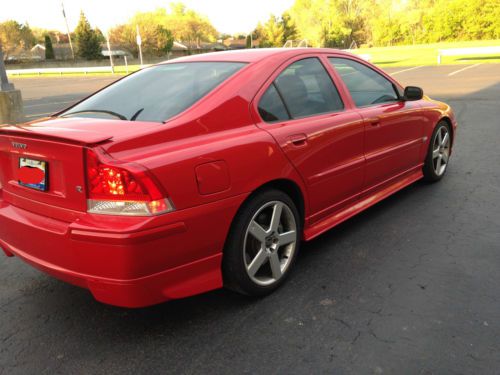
(441, 150)
(270, 243)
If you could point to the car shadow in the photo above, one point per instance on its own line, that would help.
(474, 58)
(178, 315)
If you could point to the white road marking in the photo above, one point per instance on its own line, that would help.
(406, 70)
(461, 70)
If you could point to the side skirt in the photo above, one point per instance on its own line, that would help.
(367, 201)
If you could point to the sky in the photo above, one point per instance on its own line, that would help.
(228, 16)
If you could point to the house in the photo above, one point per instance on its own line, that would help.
(233, 43)
(116, 51)
(38, 52)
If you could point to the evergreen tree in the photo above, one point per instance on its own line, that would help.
(248, 43)
(88, 45)
(49, 50)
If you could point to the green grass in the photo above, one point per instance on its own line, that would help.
(426, 54)
(119, 70)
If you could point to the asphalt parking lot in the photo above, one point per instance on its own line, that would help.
(410, 286)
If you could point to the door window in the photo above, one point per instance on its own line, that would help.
(305, 88)
(366, 86)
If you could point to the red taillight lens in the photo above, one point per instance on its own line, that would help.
(113, 189)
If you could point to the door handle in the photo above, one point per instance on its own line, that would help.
(374, 121)
(298, 140)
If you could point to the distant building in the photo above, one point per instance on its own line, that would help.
(62, 51)
(116, 51)
(233, 43)
(38, 52)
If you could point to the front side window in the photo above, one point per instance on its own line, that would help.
(306, 90)
(366, 86)
(157, 93)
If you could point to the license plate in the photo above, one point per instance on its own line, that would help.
(33, 174)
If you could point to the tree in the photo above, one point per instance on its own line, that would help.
(88, 45)
(289, 28)
(14, 36)
(164, 40)
(311, 18)
(49, 51)
(273, 33)
(100, 35)
(182, 23)
(248, 41)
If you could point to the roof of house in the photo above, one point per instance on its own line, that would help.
(37, 46)
(178, 45)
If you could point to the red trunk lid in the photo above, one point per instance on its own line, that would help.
(64, 171)
(60, 144)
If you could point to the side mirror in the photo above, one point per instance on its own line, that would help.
(413, 93)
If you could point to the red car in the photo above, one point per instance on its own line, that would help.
(209, 170)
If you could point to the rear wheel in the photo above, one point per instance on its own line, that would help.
(438, 155)
(263, 244)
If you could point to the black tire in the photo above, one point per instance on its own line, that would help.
(235, 259)
(429, 169)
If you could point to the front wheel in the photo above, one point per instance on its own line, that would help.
(263, 244)
(438, 155)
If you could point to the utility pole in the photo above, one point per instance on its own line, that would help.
(110, 54)
(4, 81)
(139, 42)
(67, 31)
(11, 101)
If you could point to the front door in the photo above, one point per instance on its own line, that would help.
(393, 127)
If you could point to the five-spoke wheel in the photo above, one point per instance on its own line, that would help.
(270, 242)
(436, 162)
(263, 243)
(441, 150)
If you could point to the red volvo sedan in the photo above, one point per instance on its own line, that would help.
(209, 170)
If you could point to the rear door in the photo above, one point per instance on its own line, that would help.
(393, 127)
(302, 109)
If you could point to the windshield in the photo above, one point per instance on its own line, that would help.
(157, 93)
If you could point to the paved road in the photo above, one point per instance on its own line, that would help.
(409, 287)
(45, 95)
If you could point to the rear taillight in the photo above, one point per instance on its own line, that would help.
(122, 189)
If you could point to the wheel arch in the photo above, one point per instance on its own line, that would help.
(448, 121)
(287, 186)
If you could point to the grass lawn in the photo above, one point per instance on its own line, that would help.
(426, 54)
(119, 70)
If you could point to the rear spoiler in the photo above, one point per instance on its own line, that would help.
(80, 137)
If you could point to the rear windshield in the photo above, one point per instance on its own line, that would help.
(157, 93)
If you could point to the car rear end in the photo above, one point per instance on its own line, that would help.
(99, 223)
(103, 220)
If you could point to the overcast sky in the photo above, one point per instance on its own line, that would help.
(228, 16)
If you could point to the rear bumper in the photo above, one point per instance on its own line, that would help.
(124, 262)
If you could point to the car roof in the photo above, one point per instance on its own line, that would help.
(254, 54)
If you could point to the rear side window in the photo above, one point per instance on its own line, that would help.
(271, 107)
(157, 93)
(366, 86)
